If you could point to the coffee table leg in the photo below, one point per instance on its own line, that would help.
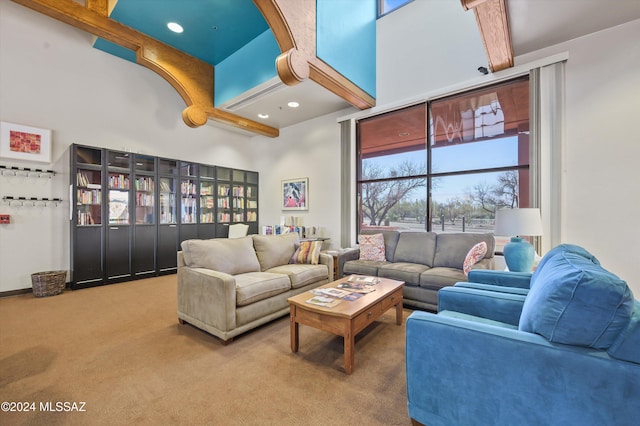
(349, 350)
(399, 313)
(294, 329)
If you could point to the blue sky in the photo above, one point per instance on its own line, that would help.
(466, 156)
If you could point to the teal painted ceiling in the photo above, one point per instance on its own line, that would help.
(213, 29)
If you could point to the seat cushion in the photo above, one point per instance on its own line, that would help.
(254, 286)
(362, 267)
(577, 302)
(402, 271)
(301, 275)
(437, 278)
(231, 256)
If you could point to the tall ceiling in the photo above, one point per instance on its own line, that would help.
(214, 29)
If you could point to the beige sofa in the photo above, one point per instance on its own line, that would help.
(229, 286)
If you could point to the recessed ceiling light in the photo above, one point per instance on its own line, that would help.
(176, 28)
(293, 104)
(263, 115)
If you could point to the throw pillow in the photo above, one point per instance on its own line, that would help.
(307, 252)
(372, 247)
(474, 256)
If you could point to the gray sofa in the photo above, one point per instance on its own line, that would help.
(229, 286)
(425, 261)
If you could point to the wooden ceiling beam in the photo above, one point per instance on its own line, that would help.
(293, 23)
(192, 78)
(491, 16)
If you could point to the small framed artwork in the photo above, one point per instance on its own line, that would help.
(27, 143)
(295, 194)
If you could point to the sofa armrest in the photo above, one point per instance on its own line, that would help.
(496, 306)
(327, 259)
(503, 278)
(346, 255)
(490, 287)
(463, 372)
(207, 296)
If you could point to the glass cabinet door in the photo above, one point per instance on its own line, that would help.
(118, 183)
(238, 203)
(88, 186)
(145, 190)
(167, 200)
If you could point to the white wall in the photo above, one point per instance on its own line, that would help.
(600, 193)
(310, 149)
(51, 77)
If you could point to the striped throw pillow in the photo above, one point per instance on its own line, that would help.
(307, 252)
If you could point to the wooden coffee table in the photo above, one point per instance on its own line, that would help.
(347, 318)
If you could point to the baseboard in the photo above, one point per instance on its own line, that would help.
(20, 291)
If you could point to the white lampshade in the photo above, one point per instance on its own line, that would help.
(518, 222)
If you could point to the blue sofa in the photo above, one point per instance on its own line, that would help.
(560, 346)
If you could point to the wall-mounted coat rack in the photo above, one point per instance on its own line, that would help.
(25, 172)
(31, 201)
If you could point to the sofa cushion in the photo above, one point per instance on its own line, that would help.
(362, 267)
(301, 275)
(474, 256)
(231, 256)
(307, 252)
(275, 250)
(626, 346)
(372, 247)
(562, 248)
(451, 249)
(402, 271)
(254, 286)
(416, 247)
(436, 278)
(576, 302)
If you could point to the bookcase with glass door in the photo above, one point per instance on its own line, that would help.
(167, 247)
(118, 230)
(143, 261)
(86, 190)
(130, 211)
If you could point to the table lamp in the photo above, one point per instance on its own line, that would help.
(519, 253)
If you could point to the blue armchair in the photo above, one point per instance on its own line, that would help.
(564, 349)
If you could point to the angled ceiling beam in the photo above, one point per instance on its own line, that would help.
(491, 16)
(193, 79)
(293, 23)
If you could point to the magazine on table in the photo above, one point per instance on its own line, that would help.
(328, 302)
(332, 292)
(363, 279)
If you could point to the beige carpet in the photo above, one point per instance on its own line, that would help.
(120, 350)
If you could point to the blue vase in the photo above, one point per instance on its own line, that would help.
(519, 255)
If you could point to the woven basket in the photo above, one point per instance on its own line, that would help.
(48, 283)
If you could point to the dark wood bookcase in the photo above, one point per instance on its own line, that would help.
(130, 212)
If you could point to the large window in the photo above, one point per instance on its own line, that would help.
(447, 165)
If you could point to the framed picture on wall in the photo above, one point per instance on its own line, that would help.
(295, 194)
(27, 143)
